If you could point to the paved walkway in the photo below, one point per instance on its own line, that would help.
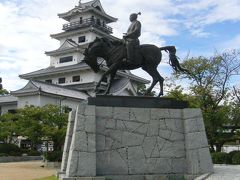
(225, 172)
(24, 171)
(33, 170)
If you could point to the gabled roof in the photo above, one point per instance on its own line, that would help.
(94, 6)
(68, 46)
(38, 87)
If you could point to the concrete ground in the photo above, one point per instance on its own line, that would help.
(32, 170)
(225, 172)
(24, 170)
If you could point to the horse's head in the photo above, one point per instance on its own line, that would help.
(95, 49)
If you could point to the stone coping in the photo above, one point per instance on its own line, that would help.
(137, 102)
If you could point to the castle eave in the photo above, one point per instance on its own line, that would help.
(53, 71)
(61, 35)
(93, 6)
(64, 51)
(67, 16)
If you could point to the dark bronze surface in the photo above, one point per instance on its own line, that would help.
(137, 102)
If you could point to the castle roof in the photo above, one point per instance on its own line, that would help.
(8, 99)
(76, 67)
(92, 6)
(96, 30)
(39, 87)
(69, 46)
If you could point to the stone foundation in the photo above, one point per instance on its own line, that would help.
(123, 143)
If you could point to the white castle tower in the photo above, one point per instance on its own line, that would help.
(67, 74)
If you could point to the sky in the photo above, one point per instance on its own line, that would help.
(195, 27)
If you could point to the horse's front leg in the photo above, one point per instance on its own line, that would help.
(101, 79)
(112, 71)
(112, 75)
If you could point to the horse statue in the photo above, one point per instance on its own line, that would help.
(113, 52)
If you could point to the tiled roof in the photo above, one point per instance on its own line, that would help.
(37, 86)
(8, 99)
(76, 67)
(84, 7)
(53, 70)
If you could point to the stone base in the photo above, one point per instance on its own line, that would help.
(133, 177)
(135, 143)
(83, 178)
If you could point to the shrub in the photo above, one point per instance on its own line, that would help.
(53, 156)
(236, 158)
(13, 153)
(231, 154)
(220, 158)
(3, 154)
(10, 149)
(33, 153)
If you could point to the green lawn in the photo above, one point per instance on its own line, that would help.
(48, 178)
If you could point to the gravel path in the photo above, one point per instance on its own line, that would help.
(24, 171)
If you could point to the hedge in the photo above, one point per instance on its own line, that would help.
(232, 157)
(10, 149)
(53, 156)
(220, 158)
(236, 158)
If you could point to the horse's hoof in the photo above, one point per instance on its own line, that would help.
(160, 94)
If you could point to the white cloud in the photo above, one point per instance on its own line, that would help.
(198, 14)
(233, 43)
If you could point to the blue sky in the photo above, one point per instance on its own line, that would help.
(195, 27)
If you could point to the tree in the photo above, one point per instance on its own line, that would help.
(37, 124)
(55, 124)
(8, 127)
(2, 91)
(210, 85)
(141, 90)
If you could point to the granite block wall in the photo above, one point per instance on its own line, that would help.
(137, 142)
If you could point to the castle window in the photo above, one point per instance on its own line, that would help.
(98, 22)
(61, 80)
(12, 111)
(66, 59)
(75, 78)
(81, 39)
(92, 19)
(48, 81)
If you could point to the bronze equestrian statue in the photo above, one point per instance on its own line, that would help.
(117, 57)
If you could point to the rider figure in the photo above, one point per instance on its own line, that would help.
(131, 38)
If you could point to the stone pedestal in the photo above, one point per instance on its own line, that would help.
(107, 139)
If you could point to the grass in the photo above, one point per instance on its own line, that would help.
(48, 178)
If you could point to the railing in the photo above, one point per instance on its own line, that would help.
(87, 22)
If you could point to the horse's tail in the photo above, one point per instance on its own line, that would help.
(173, 59)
